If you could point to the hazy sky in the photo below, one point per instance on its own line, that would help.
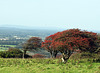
(51, 14)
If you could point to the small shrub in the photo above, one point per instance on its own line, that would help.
(38, 56)
(14, 51)
(96, 60)
(85, 55)
(75, 56)
(58, 56)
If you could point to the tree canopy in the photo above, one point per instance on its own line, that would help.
(75, 39)
(69, 41)
(47, 44)
(32, 44)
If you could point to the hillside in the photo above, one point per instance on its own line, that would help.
(12, 31)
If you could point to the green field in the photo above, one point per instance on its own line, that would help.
(48, 66)
(6, 47)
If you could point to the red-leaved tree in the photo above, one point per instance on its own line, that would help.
(71, 40)
(47, 44)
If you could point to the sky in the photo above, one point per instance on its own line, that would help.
(51, 14)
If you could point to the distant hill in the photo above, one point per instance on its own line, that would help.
(13, 31)
(9, 31)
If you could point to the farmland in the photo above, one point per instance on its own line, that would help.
(48, 66)
(6, 47)
(16, 37)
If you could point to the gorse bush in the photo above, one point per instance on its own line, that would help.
(84, 55)
(91, 57)
(14, 50)
(12, 53)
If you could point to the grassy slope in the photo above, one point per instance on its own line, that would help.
(6, 48)
(47, 66)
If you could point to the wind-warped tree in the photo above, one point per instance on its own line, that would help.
(47, 44)
(32, 44)
(70, 40)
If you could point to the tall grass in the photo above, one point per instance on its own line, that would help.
(48, 66)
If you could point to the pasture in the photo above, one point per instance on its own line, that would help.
(6, 47)
(42, 65)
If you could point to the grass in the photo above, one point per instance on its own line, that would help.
(6, 47)
(48, 66)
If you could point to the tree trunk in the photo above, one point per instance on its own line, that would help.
(24, 52)
(55, 54)
(51, 54)
(23, 55)
(64, 58)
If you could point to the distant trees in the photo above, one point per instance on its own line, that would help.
(69, 41)
(11, 41)
(32, 44)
